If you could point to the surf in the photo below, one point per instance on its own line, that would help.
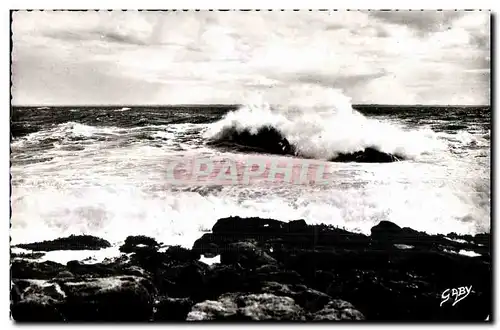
(337, 133)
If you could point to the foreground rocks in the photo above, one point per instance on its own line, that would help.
(268, 270)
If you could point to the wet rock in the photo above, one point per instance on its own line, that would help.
(265, 306)
(36, 301)
(223, 309)
(250, 226)
(297, 226)
(118, 298)
(368, 155)
(27, 255)
(247, 254)
(309, 299)
(172, 309)
(253, 307)
(269, 270)
(386, 231)
(338, 310)
(73, 242)
(28, 269)
(267, 139)
(225, 278)
(278, 274)
(138, 244)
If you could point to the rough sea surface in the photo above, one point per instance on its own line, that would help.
(103, 170)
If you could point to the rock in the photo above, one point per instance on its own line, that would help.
(368, 155)
(254, 307)
(385, 230)
(309, 299)
(483, 238)
(265, 306)
(27, 255)
(267, 139)
(28, 269)
(180, 254)
(247, 254)
(223, 309)
(269, 270)
(117, 298)
(172, 309)
(297, 226)
(277, 274)
(73, 242)
(338, 310)
(64, 275)
(224, 278)
(36, 301)
(92, 270)
(247, 226)
(139, 243)
(273, 233)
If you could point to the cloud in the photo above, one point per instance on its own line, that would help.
(203, 57)
(423, 22)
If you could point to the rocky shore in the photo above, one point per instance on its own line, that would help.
(268, 271)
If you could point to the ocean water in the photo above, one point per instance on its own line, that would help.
(103, 170)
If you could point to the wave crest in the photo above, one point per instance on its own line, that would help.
(325, 134)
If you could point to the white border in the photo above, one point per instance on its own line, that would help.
(179, 4)
(242, 4)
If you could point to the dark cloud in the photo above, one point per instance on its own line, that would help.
(481, 41)
(108, 36)
(337, 80)
(422, 22)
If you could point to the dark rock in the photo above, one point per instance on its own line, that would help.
(209, 310)
(297, 226)
(139, 243)
(180, 254)
(73, 242)
(385, 230)
(483, 238)
(265, 306)
(252, 307)
(27, 255)
(269, 270)
(64, 275)
(224, 278)
(338, 310)
(172, 309)
(36, 301)
(27, 269)
(267, 139)
(118, 298)
(368, 155)
(246, 254)
(309, 299)
(247, 226)
(275, 234)
(278, 274)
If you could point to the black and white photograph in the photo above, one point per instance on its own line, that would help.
(250, 166)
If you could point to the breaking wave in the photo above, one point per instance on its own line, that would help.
(325, 134)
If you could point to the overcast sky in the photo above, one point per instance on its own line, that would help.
(74, 58)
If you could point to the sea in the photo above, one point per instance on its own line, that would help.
(102, 170)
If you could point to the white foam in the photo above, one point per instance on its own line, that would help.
(467, 253)
(323, 133)
(113, 190)
(210, 261)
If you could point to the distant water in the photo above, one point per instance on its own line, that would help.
(102, 171)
